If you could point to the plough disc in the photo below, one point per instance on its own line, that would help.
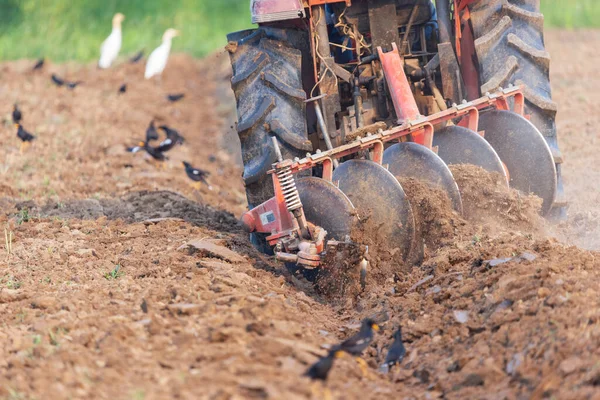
(379, 199)
(327, 206)
(458, 145)
(525, 153)
(411, 160)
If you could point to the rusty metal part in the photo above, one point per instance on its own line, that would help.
(400, 90)
(366, 130)
(327, 206)
(291, 195)
(415, 130)
(524, 151)
(410, 160)
(328, 82)
(405, 47)
(458, 145)
(383, 23)
(452, 82)
(380, 199)
(322, 124)
(444, 24)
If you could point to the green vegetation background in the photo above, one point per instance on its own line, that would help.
(74, 29)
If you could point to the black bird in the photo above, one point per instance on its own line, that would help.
(396, 352)
(26, 137)
(357, 343)
(173, 138)
(16, 114)
(151, 132)
(154, 152)
(137, 57)
(320, 369)
(197, 175)
(39, 64)
(123, 88)
(175, 97)
(58, 81)
(73, 85)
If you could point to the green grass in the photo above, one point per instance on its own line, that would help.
(571, 13)
(63, 30)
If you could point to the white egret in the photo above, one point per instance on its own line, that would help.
(158, 59)
(112, 45)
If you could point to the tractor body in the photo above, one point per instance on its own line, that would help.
(337, 100)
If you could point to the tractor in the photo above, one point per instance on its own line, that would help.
(338, 99)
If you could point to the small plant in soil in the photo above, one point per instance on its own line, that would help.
(114, 274)
(23, 216)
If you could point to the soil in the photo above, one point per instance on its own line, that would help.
(118, 280)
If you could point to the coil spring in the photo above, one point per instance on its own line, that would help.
(288, 187)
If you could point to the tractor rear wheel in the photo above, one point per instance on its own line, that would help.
(509, 43)
(267, 83)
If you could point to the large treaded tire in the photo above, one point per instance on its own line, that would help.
(509, 43)
(267, 83)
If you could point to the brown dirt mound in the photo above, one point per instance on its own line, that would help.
(437, 221)
(487, 200)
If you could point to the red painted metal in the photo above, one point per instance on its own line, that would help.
(321, 2)
(275, 10)
(400, 90)
(273, 216)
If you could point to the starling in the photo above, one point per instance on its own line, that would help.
(356, 344)
(175, 97)
(16, 114)
(123, 88)
(320, 369)
(154, 152)
(396, 352)
(197, 175)
(39, 64)
(173, 138)
(26, 137)
(58, 81)
(135, 59)
(73, 85)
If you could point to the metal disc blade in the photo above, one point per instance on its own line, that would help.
(458, 145)
(524, 151)
(378, 196)
(411, 160)
(326, 206)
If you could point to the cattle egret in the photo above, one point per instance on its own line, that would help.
(112, 45)
(158, 59)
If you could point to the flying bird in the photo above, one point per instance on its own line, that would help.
(58, 81)
(175, 97)
(16, 114)
(62, 82)
(39, 64)
(197, 175)
(173, 138)
(112, 45)
(135, 59)
(396, 352)
(73, 85)
(26, 137)
(158, 58)
(123, 88)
